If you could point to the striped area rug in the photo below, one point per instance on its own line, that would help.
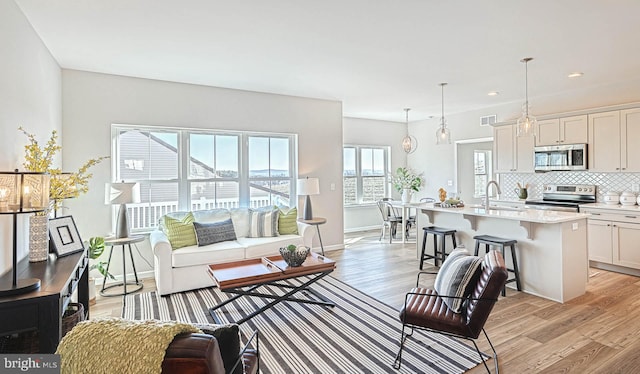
(359, 335)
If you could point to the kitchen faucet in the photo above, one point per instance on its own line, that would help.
(486, 193)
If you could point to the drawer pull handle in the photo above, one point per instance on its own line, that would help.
(595, 214)
(630, 217)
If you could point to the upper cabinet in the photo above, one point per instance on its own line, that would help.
(512, 153)
(566, 130)
(610, 141)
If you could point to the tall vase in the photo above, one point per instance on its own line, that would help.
(406, 195)
(38, 238)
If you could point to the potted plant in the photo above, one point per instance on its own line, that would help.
(95, 248)
(407, 181)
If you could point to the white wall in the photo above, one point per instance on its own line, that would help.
(30, 93)
(92, 102)
(359, 131)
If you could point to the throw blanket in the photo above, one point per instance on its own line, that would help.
(115, 345)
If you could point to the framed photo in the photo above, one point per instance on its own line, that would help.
(64, 236)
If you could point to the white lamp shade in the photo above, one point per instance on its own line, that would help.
(121, 193)
(308, 186)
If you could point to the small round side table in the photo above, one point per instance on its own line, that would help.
(315, 221)
(112, 242)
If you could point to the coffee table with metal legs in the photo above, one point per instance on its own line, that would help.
(245, 278)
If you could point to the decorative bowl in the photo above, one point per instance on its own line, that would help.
(296, 257)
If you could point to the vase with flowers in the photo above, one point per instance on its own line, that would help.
(407, 181)
(62, 186)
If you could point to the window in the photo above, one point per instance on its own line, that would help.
(365, 174)
(180, 169)
(482, 171)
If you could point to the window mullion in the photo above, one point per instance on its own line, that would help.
(184, 185)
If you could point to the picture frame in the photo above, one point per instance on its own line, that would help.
(64, 236)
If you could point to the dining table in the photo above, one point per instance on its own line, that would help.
(406, 213)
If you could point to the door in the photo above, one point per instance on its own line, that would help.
(626, 237)
(604, 141)
(548, 132)
(524, 154)
(473, 169)
(573, 130)
(504, 148)
(630, 133)
(599, 242)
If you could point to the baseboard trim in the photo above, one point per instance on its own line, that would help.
(364, 228)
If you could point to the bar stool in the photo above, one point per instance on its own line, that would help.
(488, 241)
(436, 232)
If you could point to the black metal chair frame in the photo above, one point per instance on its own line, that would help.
(398, 360)
(255, 335)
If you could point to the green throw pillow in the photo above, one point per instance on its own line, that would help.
(180, 232)
(288, 222)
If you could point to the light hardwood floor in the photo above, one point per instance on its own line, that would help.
(595, 333)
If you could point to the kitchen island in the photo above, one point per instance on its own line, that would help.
(551, 249)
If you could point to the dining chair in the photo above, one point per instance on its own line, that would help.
(390, 219)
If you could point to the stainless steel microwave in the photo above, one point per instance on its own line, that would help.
(560, 157)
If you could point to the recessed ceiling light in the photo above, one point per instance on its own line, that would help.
(575, 74)
(493, 93)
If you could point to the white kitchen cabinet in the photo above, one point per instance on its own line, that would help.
(613, 238)
(512, 153)
(565, 130)
(611, 136)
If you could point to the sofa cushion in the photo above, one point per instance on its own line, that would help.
(180, 232)
(263, 223)
(228, 337)
(258, 247)
(457, 274)
(211, 215)
(288, 221)
(210, 254)
(216, 232)
(240, 218)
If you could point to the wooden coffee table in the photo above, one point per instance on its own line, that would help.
(244, 278)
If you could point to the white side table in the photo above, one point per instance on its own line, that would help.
(315, 221)
(112, 242)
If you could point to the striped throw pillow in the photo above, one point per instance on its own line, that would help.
(456, 278)
(180, 232)
(288, 222)
(263, 223)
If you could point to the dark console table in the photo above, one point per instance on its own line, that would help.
(41, 310)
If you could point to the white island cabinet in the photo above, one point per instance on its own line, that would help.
(551, 249)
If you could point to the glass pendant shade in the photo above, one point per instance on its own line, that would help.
(443, 135)
(526, 125)
(409, 143)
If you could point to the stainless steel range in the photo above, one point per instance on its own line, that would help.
(563, 197)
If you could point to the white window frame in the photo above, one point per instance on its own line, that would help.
(184, 180)
(359, 177)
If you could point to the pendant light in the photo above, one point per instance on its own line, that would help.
(409, 143)
(527, 123)
(443, 135)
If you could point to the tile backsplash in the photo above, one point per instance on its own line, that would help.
(604, 182)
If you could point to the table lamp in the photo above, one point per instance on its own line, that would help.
(122, 193)
(307, 187)
(22, 192)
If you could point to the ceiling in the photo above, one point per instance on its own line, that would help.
(377, 57)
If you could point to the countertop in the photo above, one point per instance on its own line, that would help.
(527, 215)
(614, 208)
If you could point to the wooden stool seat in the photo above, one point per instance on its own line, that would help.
(488, 241)
(438, 254)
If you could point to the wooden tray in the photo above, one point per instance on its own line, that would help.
(239, 273)
(313, 263)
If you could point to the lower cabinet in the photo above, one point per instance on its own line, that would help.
(614, 242)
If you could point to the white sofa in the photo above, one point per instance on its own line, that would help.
(185, 268)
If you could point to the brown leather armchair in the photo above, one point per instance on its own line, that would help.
(424, 309)
(200, 354)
